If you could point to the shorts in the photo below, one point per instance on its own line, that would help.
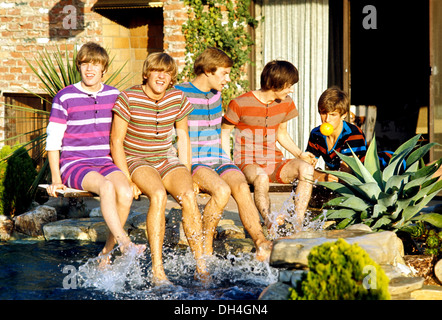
(273, 170)
(220, 169)
(73, 173)
(163, 165)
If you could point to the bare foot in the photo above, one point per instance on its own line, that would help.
(201, 273)
(104, 259)
(130, 245)
(263, 251)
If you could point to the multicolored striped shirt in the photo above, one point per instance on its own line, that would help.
(150, 122)
(205, 125)
(350, 137)
(256, 127)
(80, 122)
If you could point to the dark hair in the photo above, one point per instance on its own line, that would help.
(334, 99)
(278, 75)
(210, 60)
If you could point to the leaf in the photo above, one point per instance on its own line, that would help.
(419, 153)
(370, 190)
(340, 214)
(378, 209)
(381, 222)
(355, 203)
(337, 187)
(372, 164)
(432, 218)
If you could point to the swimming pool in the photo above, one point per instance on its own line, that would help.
(67, 270)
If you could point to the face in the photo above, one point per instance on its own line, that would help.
(333, 117)
(91, 74)
(219, 79)
(282, 94)
(157, 83)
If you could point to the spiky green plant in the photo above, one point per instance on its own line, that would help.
(385, 200)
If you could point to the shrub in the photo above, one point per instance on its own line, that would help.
(340, 271)
(17, 173)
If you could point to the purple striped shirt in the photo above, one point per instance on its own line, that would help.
(82, 121)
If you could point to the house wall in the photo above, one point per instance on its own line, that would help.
(28, 27)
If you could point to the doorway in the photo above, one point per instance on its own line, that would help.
(389, 64)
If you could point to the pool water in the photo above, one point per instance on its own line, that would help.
(68, 270)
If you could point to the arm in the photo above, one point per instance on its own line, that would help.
(283, 137)
(54, 164)
(118, 133)
(184, 151)
(226, 129)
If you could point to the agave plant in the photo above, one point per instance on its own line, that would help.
(389, 199)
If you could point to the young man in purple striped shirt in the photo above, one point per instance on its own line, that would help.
(79, 127)
(212, 169)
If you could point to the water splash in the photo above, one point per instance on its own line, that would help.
(129, 277)
(312, 221)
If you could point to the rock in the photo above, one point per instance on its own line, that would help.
(275, 291)
(401, 285)
(233, 246)
(292, 252)
(438, 270)
(6, 227)
(428, 293)
(70, 229)
(32, 222)
(229, 231)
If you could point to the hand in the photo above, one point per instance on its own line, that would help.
(136, 191)
(308, 157)
(196, 189)
(51, 190)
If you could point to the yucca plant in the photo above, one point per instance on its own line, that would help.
(385, 200)
(55, 71)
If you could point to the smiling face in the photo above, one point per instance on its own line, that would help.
(157, 83)
(91, 74)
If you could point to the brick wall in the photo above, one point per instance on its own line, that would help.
(30, 26)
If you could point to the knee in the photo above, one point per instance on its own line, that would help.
(158, 197)
(125, 194)
(107, 188)
(306, 171)
(261, 181)
(221, 195)
(187, 198)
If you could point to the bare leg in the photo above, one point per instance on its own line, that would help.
(248, 213)
(115, 201)
(150, 183)
(304, 173)
(180, 185)
(210, 182)
(257, 176)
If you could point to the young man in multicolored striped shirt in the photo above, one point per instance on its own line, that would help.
(141, 143)
(212, 169)
(333, 107)
(79, 127)
(260, 118)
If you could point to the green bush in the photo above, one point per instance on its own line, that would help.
(17, 173)
(340, 271)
